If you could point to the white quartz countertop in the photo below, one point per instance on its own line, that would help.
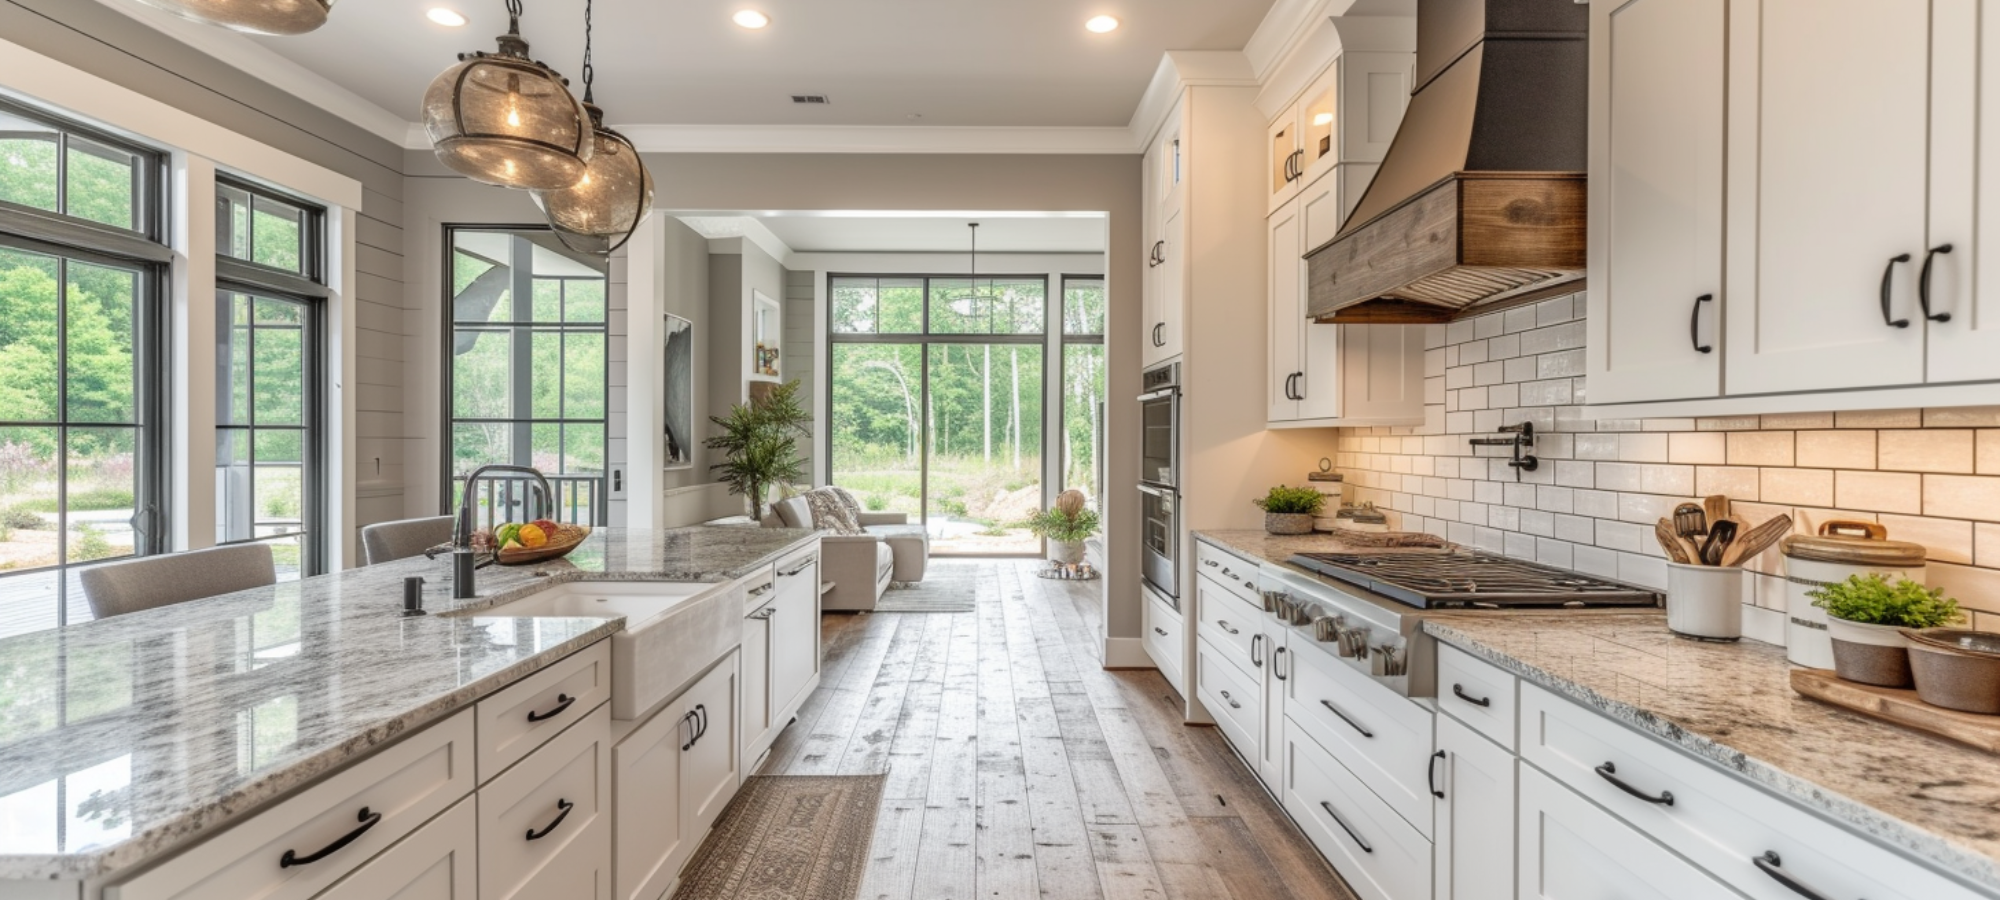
(125, 738)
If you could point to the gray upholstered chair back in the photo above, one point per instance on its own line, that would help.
(120, 588)
(390, 541)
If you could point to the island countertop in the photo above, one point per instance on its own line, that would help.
(124, 738)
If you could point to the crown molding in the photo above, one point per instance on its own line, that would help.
(1180, 69)
(876, 139)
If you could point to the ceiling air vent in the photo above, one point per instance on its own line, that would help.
(810, 99)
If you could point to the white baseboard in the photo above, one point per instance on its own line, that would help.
(1127, 653)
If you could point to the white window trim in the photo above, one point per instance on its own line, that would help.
(199, 149)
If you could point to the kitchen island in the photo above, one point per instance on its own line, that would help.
(125, 740)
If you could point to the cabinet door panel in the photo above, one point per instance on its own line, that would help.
(1656, 211)
(1173, 283)
(1571, 850)
(544, 825)
(755, 713)
(1475, 817)
(1283, 156)
(708, 767)
(646, 790)
(1383, 367)
(437, 862)
(1838, 94)
(1287, 318)
(794, 640)
(1965, 207)
(1321, 387)
(1277, 672)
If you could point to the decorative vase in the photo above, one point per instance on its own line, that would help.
(1069, 553)
(1288, 523)
(1870, 654)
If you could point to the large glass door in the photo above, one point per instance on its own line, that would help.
(985, 461)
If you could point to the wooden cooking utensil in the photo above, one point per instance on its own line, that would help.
(1678, 549)
(1750, 544)
(1720, 534)
(1690, 520)
(1717, 508)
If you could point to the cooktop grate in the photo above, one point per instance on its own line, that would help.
(1430, 579)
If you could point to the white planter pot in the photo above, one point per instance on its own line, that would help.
(1864, 633)
(1807, 642)
(1068, 553)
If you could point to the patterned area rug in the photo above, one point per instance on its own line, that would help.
(949, 586)
(788, 838)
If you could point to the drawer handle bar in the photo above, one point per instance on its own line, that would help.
(807, 563)
(565, 806)
(1337, 820)
(760, 590)
(694, 731)
(1343, 717)
(1458, 691)
(1256, 643)
(1924, 284)
(1770, 865)
(701, 714)
(1431, 774)
(1210, 563)
(1225, 626)
(564, 700)
(1888, 271)
(1694, 325)
(1609, 772)
(1162, 632)
(1275, 659)
(368, 820)
(1232, 701)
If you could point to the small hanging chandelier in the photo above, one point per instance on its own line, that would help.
(600, 211)
(282, 17)
(504, 118)
(974, 300)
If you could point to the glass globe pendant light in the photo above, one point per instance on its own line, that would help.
(600, 211)
(504, 118)
(283, 17)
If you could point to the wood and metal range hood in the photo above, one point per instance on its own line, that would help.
(1480, 202)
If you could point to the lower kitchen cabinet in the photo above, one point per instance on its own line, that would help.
(1472, 786)
(755, 712)
(1163, 638)
(545, 824)
(1379, 855)
(671, 777)
(1277, 665)
(1572, 849)
(794, 624)
(439, 862)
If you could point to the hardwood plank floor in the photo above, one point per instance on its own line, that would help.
(1019, 768)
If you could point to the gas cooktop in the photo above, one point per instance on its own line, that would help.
(1446, 579)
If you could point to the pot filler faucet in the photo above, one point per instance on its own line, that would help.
(463, 560)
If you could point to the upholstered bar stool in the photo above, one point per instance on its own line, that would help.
(391, 541)
(155, 581)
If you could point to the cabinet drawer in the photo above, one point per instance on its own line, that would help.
(1721, 823)
(525, 714)
(1383, 737)
(758, 589)
(1571, 849)
(544, 826)
(438, 862)
(1233, 698)
(1479, 693)
(1165, 640)
(1230, 621)
(1378, 853)
(1237, 574)
(327, 830)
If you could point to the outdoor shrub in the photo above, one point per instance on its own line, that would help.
(21, 517)
(90, 544)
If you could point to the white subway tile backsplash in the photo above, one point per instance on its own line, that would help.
(1597, 446)
(1795, 421)
(1961, 496)
(1879, 418)
(1490, 325)
(1486, 373)
(1597, 504)
(1576, 529)
(1520, 318)
(1506, 346)
(1986, 544)
(1504, 395)
(1469, 354)
(1667, 479)
(1642, 447)
(1697, 447)
(1555, 499)
(1987, 452)
(1595, 561)
(1557, 311)
(1538, 522)
(1575, 473)
(1563, 364)
(1948, 540)
(1734, 423)
(1836, 449)
(1554, 553)
(1797, 487)
(1896, 492)
(1943, 450)
(1518, 545)
(1760, 448)
(1963, 417)
(1618, 476)
(1627, 536)
(1666, 424)
(1735, 482)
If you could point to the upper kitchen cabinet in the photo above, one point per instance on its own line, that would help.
(1346, 117)
(1656, 156)
(1963, 313)
(1165, 299)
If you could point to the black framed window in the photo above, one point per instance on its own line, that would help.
(82, 362)
(527, 375)
(1085, 371)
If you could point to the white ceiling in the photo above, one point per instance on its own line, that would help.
(885, 232)
(1011, 63)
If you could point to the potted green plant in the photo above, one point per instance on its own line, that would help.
(1865, 616)
(759, 444)
(1065, 526)
(1290, 510)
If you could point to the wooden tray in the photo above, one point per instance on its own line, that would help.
(1900, 708)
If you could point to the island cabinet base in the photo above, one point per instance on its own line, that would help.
(671, 778)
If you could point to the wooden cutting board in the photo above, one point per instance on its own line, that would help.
(1899, 708)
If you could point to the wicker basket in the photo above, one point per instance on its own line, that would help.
(1288, 523)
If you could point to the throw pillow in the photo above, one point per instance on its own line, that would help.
(793, 512)
(848, 500)
(829, 514)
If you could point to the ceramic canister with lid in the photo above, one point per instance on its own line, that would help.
(1842, 548)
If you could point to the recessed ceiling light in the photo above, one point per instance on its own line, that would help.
(1102, 24)
(446, 17)
(750, 18)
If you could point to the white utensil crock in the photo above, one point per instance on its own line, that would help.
(1705, 602)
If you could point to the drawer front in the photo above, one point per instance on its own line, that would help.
(1571, 850)
(758, 589)
(1382, 737)
(1164, 639)
(1720, 822)
(375, 801)
(1230, 621)
(545, 826)
(1479, 694)
(438, 862)
(1232, 698)
(1375, 851)
(527, 713)
(1237, 574)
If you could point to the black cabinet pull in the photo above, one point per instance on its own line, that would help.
(563, 702)
(1224, 625)
(1609, 772)
(1886, 273)
(701, 714)
(1924, 284)
(1232, 701)
(1159, 631)
(1431, 774)
(1276, 669)
(1343, 717)
(1256, 642)
(1158, 256)
(1337, 820)
(1159, 340)
(1299, 385)
(692, 731)
(1694, 325)
(564, 806)
(1769, 864)
(1458, 691)
(368, 820)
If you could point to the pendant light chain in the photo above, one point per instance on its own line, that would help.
(589, 71)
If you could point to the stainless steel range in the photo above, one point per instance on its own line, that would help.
(1368, 608)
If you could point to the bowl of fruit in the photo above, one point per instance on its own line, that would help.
(528, 543)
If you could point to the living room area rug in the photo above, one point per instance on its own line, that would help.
(788, 837)
(949, 586)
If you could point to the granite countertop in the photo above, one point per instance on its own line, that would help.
(1733, 705)
(1279, 548)
(127, 737)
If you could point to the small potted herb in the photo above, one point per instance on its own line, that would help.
(1065, 526)
(1290, 510)
(1865, 617)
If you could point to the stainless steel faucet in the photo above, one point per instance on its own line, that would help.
(463, 561)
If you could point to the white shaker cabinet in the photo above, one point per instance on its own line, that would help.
(1963, 315)
(1656, 199)
(1829, 108)
(794, 625)
(1288, 314)
(1166, 234)
(1472, 786)
(1573, 850)
(438, 862)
